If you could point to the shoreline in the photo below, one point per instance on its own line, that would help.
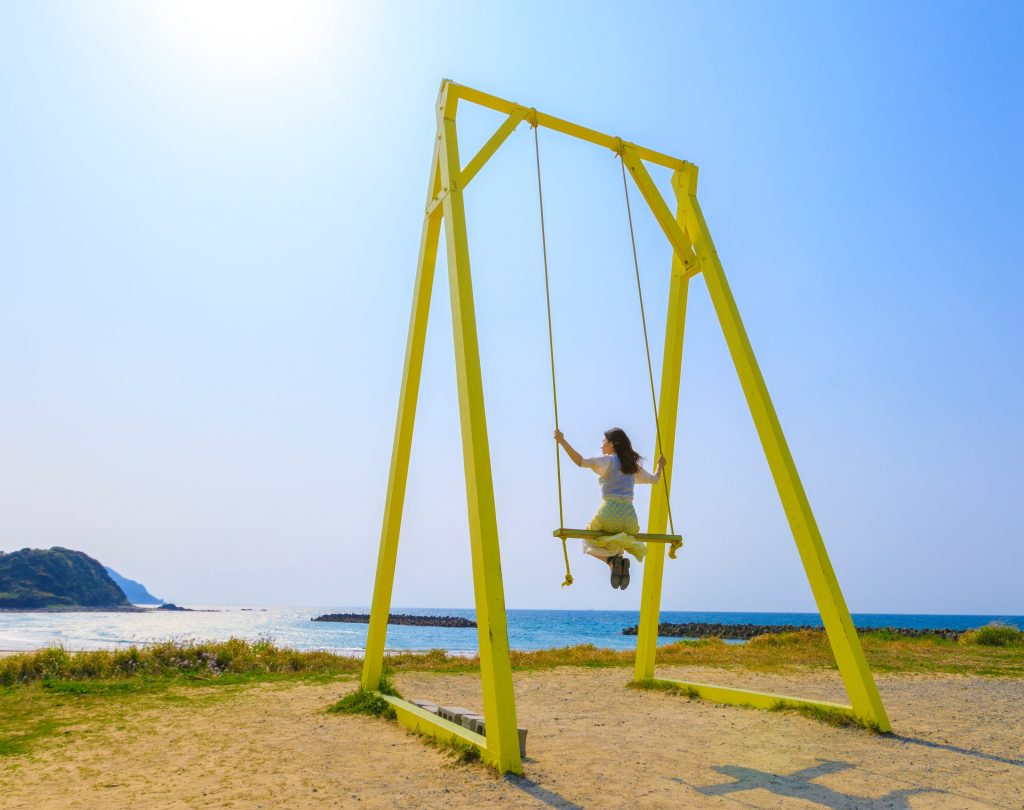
(77, 609)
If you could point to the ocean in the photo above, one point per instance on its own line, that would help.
(291, 627)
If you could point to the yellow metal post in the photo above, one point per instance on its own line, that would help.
(668, 405)
(495, 665)
(399, 473)
(860, 686)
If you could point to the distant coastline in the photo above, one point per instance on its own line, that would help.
(79, 609)
(163, 607)
(528, 629)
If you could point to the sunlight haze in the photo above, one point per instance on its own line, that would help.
(211, 217)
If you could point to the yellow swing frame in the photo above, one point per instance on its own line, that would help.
(693, 253)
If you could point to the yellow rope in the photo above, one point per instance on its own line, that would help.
(551, 350)
(647, 348)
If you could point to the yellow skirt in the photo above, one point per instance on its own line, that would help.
(617, 517)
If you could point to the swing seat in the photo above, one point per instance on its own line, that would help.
(589, 534)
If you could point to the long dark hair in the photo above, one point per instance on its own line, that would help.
(629, 458)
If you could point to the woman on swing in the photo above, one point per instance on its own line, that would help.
(618, 470)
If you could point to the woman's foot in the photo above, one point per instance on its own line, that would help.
(616, 564)
(624, 580)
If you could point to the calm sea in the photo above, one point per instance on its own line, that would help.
(528, 629)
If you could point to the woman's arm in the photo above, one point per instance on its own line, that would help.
(577, 459)
(644, 477)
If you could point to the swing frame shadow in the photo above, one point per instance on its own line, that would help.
(693, 252)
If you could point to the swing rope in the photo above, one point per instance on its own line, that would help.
(647, 348)
(551, 351)
(676, 544)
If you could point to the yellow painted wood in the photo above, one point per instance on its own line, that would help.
(860, 685)
(674, 232)
(402, 444)
(493, 143)
(559, 125)
(434, 208)
(693, 252)
(421, 721)
(747, 697)
(495, 665)
(586, 534)
(668, 409)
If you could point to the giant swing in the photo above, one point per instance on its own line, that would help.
(693, 253)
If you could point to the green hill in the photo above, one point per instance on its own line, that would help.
(58, 577)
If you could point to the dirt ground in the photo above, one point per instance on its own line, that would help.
(958, 743)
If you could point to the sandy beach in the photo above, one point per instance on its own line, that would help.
(592, 743)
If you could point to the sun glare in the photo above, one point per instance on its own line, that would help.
(240, 39)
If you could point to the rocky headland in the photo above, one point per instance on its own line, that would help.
(35, 578)
(135, 592)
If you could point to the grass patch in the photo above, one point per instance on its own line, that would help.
(822, 714)
(990, 651)
(57, 709)
(994, 635)
(996, 650)
(667, 687)
(458, 751)
(20, 742)
(363, 701)
(201, 660)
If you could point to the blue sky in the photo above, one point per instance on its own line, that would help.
(211, 215)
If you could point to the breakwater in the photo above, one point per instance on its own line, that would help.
(398, 618)
(748, 631)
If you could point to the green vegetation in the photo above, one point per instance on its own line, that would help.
(54, 693)
(363, 701)
(833, 717)
(64, 710)
(994, 635)
(667, 687)
(995, 650)
(197, 660)
(459, 751)
(58, 577)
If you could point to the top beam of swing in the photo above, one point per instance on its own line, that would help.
(460, 91)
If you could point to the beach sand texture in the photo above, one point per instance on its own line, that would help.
(592, 743)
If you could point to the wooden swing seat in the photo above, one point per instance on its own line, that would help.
(589, 534)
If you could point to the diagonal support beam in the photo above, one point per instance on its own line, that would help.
(677, 237)
(842, 636)
(493, 143)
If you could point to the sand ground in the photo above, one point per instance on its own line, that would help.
(959, 743)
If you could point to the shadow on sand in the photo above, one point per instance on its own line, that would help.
(798, 785)
(968, 752)
(540, 793)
